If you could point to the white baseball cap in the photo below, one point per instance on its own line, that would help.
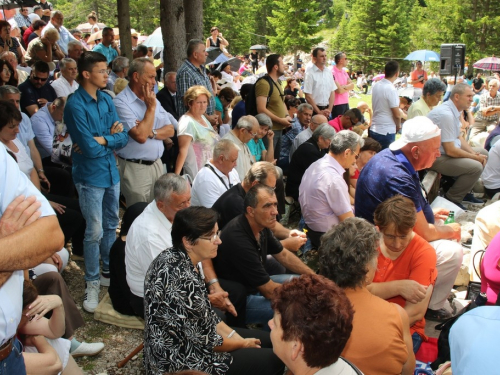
(418, 129)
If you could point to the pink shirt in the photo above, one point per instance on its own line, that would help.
(337, 124)
(323, 194)
(341, 77)
(490, 272)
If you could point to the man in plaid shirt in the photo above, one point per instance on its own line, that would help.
(22, 19)
(489, 109)
(192, 73)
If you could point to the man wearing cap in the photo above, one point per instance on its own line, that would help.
(395, 171)
(352, 117)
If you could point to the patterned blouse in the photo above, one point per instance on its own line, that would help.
(180, 330)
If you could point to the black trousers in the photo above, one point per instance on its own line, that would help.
(339, 109)
(252, 361)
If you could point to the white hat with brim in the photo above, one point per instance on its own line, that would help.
(418, 129)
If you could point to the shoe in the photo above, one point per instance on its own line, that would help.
(438, 315)
(91, 296)
(471, 199)
(85, 349)
(105, 277)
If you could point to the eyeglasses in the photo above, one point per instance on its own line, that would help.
(252, 134)
(102, 71)
(35, 78)
(357, 155)
(212, 238)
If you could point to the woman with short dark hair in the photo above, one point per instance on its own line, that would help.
(182, 331)
(380, 341)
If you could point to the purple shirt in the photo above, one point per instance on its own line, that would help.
(323, 194)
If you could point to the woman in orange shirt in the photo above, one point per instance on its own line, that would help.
(406, 270)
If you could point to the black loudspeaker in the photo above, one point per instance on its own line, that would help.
(452, 59)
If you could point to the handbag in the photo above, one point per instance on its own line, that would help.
(474, 287)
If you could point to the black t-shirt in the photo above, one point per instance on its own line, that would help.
(254, 58)
(46, 6)
(478, 83)
(30, 94)
(294, 92)
(306, 154)
(241, 258)
(229, 205)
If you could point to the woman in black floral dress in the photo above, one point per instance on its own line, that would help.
(182, 331)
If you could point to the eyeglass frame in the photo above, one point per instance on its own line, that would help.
(211, 238)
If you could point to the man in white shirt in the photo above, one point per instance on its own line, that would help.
(319, 85)
(66, 84)
(28, 225)
(218, 175)
(150, 232)
(385, 103)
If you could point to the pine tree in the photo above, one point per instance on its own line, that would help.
(295, 23)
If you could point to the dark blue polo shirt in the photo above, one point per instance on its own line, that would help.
(388, 173)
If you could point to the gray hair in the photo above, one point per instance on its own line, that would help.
(7, 53)
(65, 61)
(192, 46)
(137, 65)
(245, 122)
(346, 250)
(345, 140)
(224, 147)
(324, 130)
(304, 106)
(259, 172)
(493, 81)
(59, 102)
(8, 89)
(74, 43)
(264, 120)
(168, 75)
(432, 86)
(167, 184)
(119, 63)
(459, 89)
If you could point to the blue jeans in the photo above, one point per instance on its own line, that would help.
(100, 210)
(14, 363)
(384, 140)
(417, 341)
(259, 307)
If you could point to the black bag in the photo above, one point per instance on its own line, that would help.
(251, 99)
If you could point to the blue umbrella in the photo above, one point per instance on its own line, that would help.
(423, 55)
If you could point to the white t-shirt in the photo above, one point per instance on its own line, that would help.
(208, 187)
(148, 236)
(491, 173)
(384, 97)
(23, 159)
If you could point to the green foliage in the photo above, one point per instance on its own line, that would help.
(295, 23)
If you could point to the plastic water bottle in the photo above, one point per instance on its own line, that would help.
(451, 218)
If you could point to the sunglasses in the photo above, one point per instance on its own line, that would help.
(35, 78)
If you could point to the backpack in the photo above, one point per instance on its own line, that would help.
(251, 99)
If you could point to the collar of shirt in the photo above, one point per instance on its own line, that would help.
(335, 164)
(453, 109)
(403, 160)
(192, 67)
(44, 112)
(86, 96)
(160, 216)
(73, 84)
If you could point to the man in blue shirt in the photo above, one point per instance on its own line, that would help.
(148, 125)
(108, 46)
(394, 171)
(96, 132)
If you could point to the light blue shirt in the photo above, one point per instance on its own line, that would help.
(474, 341)
(43, 126)
(13, 183)
(64, 36)
(25, 132)
(108, 52)
(447, 117)
(130, 108)
(85, 119)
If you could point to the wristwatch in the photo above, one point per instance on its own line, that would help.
(154, 133)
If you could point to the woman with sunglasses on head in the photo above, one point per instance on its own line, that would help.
(181, 330)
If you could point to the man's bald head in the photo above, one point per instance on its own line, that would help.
(316, 121)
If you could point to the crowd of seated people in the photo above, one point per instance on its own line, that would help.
(84, 130)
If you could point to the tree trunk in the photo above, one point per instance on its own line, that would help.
(173, 30)
(194, 19)
(123, 8)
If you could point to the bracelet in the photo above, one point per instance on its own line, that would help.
(40, 170)
(212, 282)
(231, 334)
